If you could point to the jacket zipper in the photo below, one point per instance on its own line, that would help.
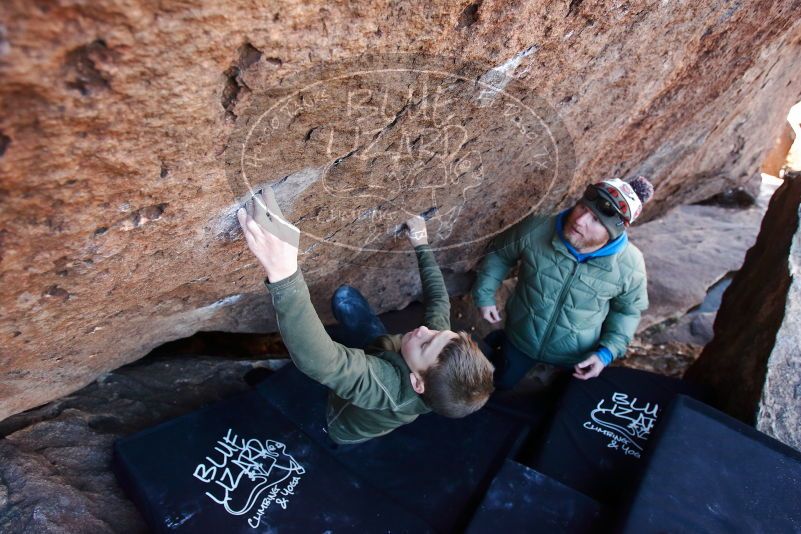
(556, 310)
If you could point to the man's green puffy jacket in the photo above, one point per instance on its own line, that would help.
(563, 310)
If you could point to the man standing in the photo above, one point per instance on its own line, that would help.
(581, 286)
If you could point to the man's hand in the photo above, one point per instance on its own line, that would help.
(417, 231)
(589, 368)
(490, 313)
(271, 238)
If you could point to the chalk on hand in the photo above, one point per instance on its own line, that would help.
(268, 214)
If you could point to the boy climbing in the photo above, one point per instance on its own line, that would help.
(389, 380)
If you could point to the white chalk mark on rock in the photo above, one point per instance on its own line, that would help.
(287, 189)
(227, 301)
(496, 79)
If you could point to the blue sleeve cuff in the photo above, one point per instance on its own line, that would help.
(605, 355)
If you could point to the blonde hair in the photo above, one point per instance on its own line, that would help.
(460, 381)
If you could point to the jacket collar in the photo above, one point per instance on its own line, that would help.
(387, 347)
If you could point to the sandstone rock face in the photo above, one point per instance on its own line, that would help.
(121, 125)
(752, 366)
(689, 249)
(780, 403)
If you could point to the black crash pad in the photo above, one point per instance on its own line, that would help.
(522, 500)
(238, 465)
(437, 466)
(600, 430)
(708, 472)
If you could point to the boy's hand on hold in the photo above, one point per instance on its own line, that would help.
(490, 313)
(589, 368)
(418, 235)
(272, 239)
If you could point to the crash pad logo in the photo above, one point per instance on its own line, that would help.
(248, 476)
(626, 421)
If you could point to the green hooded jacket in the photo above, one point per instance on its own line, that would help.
(371, 392)
(562, 310)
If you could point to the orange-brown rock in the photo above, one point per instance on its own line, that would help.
(120, 124)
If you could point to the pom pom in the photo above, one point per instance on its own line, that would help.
(643, 188)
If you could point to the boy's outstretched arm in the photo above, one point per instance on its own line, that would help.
(435, 294)
(366, 382)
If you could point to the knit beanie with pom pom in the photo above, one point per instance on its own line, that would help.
(616, 203)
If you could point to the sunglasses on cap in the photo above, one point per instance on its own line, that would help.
(603, 204)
